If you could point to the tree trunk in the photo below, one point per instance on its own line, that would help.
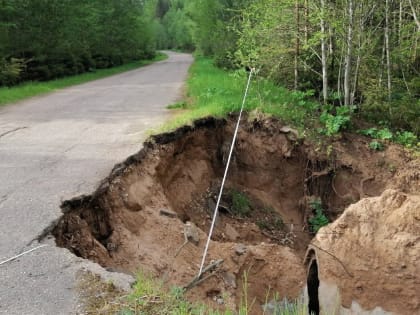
(413, 9)
(387, 49)
(306, 21)
(347, 61)
(324, 55)
(297, 45)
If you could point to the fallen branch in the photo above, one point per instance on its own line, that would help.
(198, 279)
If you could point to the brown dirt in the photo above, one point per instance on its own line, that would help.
(377, 240)
(121, 226)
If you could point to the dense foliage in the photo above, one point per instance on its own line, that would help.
(44, 39)
(349, 53)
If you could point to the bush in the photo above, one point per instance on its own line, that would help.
(319, 220)
(336, 119)
(10, 70)
(240, 204)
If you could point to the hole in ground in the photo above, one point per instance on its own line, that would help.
(313, 286)
(136, 218)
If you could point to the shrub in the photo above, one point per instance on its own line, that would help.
(240, 204)
(338, 121)
(319, 220)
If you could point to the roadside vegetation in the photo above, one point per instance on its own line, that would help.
(33, 88)
(212, 91)
(353, 59)
(149, 296)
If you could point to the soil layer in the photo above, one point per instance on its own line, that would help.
(137, 217)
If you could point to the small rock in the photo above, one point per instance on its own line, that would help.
(240, 249)
(220, 301)
(292, 134)
(231, 233)
(230, 279)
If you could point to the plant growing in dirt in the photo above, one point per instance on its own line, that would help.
(407, 139)
(271, 223)
(241, 205)
(376, 145)
(178, 105)
(336, 122)
(320, 219)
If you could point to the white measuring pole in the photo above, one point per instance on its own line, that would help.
(224, 176)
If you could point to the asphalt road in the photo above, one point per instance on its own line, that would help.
(61, 145)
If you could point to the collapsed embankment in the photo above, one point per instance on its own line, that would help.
(136, 218)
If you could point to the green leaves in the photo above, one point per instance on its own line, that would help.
(319, 219)
(405, 138)
(333, 123)
(60, 38)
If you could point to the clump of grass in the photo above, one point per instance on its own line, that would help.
(241, 205)
(29, 89)
(149, 297)
(177, 105)
(97, 296)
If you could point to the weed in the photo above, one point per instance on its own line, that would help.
(371, 132)
(241, 205)
(272, 224)
(376, 145)
(384, 134)
(334, 123)
(319, 220)
(178, 105)
(405, 138)
(285, 307)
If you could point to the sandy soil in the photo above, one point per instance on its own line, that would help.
(135, 220)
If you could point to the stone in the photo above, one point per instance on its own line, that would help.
(231, 233)
(240, 249)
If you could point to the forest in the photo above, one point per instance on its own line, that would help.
(358, 56)
(352, 56)
(46, 39)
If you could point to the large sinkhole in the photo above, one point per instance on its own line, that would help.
(136, 218)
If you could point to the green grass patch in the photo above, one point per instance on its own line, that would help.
(178, 105)
(241, 205)
(29, 89)
(150, 297)
(216, 92)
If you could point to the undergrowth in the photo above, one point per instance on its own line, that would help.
(319, 219)
(212, 91)
(241, 205)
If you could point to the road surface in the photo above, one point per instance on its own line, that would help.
(56, 147)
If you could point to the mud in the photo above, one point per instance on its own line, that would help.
(135, 219)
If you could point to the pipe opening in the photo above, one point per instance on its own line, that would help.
(313, 286)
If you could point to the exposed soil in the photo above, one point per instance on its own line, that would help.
(377, 242)
(135, 220)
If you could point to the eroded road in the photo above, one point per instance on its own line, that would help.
(61, 145)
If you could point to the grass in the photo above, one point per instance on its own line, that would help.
(20, 92)
(241, 205)
(215, 92)
(149, 297)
